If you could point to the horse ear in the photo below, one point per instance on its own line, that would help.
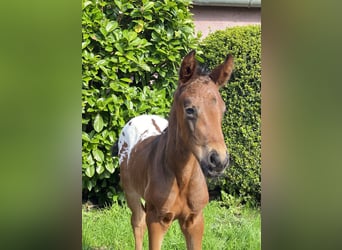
(221, 74)
(188, 67)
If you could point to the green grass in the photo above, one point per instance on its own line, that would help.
(234, 228)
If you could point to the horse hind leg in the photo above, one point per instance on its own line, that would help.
(138, 219)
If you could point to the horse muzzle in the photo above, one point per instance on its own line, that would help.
(213, 165)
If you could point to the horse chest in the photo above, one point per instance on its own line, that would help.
(193, 200)
(176, 202)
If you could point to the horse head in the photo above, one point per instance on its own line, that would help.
(199, 112)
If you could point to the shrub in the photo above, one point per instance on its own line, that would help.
(131, 51)
(241, 125)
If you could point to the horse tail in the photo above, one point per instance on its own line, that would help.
(115, 149)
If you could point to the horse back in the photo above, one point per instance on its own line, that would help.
(135, 148)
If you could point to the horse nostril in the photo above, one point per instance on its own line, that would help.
(216, 162)
(214, 158)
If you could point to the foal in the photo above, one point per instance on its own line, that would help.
(165, 162)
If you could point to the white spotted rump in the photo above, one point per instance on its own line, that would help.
(137, 129)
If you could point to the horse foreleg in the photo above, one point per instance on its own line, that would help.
(157, 227)
(192, 228)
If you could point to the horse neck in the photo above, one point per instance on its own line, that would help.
(179, 158)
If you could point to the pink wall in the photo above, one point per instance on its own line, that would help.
(208, 19)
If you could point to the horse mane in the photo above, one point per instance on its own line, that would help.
(202, 70)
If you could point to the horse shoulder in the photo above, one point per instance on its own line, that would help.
(197, 195)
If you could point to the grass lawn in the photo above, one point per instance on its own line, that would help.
(234, 228)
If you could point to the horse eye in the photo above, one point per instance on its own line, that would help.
(190, 111)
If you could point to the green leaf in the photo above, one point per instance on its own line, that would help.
(90, 171)
(98, 155)
(99, 169)
(109, 48)
(85, 43)
(129, 35)
(118, 4)
(105, 70)
(144, 66)
(103, 31)
(112, 25)
(85, 136)
(89, 185)
(119, 48)
(130, 56)
(149, 5)
(110, 167)
(126, 80)
(98, 123)
(148, 17)
(86, 4)
(129, 105)
(171, 57)
(101, 62)
(199, 58)
(139, 26)
(90, 159)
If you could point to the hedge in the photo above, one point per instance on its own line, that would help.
(242, 122)
(131, 51)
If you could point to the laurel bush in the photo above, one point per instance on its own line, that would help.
(131, 51)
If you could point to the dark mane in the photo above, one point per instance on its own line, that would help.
(202, 70)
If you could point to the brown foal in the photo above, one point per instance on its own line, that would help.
(165, 162)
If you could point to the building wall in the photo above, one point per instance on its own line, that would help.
(211, 18)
